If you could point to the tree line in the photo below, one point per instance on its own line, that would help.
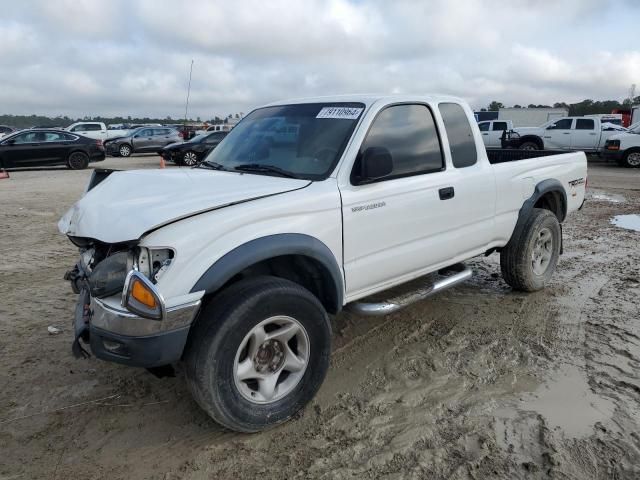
(28, 121)
(585, 107)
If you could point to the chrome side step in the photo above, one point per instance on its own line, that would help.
(445, 278)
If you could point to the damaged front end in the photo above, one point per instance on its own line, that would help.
(120, 312)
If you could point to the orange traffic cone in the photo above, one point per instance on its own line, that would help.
(4, 174)
(162, 163)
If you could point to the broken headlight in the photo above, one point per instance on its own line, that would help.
(153, 262)
(109, 275)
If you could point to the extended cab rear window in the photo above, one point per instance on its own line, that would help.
(461, 141)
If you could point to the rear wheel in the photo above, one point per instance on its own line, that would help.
(259, 353)
(78, 161)
(190, 158)
(631, 159)
(530, 258)
(124, 150)
(529, 146)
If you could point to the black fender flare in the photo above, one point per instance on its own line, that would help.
(551, 185)
(272, 246)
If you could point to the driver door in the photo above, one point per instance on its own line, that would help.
(395, 225)
(143, 141)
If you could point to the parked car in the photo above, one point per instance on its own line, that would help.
(6, 130)
(492, 132)
(624, 148)
(97, 130)
(142, 140)
(192, 152)
(30, 148)
(233, 266)
(567, 133)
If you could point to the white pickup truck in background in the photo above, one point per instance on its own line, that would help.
(492, 131)
(568, 133)
(271, 233)
(96, 130)
(624, 147)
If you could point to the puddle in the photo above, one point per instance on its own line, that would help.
(630, 222)
(566, 402)
(607, 197)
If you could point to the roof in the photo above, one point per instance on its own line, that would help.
(368, 99)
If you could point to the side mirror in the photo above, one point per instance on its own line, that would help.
(10, 142)
(551, 127)
(375, 163)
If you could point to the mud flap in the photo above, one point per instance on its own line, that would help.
(81, 325)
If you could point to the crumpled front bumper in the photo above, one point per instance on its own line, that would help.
(117, 335)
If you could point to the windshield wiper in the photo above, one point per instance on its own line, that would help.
(259, 168)
(210, 165)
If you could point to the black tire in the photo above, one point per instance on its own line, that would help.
(214, 348)
(189, 158)
(519, 259)
(125, 150)
(78, 161)
(529, 146)
(631, 159)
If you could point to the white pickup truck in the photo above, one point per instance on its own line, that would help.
(492, 131)
(96, 130)
(624, 147)
(237, 274)
(566, 133)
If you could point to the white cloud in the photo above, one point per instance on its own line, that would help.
(81, 57)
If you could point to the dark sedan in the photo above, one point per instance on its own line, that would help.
(31, 148)
(192, 152)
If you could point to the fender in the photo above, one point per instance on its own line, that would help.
(268, 247)
(543, 187)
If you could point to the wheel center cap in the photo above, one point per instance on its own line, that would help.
(269, 357)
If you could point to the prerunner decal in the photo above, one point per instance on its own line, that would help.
(340, 112)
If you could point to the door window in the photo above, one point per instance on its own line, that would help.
(585, 124)
(409, 133)
(461, 141)
(499, 126)
(160, 132)
(147, 132)
(484, 126)
(53, 137)
(564, 124)
(31, 137)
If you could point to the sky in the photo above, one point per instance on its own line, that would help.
(131, 57)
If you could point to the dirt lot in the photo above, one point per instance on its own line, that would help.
(479, 382)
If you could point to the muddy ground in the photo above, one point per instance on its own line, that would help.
(478, 382)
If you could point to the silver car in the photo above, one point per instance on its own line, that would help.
(142, 140)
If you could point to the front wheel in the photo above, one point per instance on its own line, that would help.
(124, 150)
(530, 258)
(631, 159)
(259, 353)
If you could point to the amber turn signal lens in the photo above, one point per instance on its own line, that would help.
(141, 293)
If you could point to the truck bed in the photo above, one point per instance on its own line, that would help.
(502, 155)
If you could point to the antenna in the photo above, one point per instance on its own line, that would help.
(186, 107)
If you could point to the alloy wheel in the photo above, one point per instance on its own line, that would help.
(271, 359)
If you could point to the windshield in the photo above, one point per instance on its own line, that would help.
(302, 141)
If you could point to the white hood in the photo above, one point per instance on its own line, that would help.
(127, 204)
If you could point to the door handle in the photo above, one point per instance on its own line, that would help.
(446, 193)
(485, 134)
(567, 133)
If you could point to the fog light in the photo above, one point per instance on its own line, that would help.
(115, 347)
